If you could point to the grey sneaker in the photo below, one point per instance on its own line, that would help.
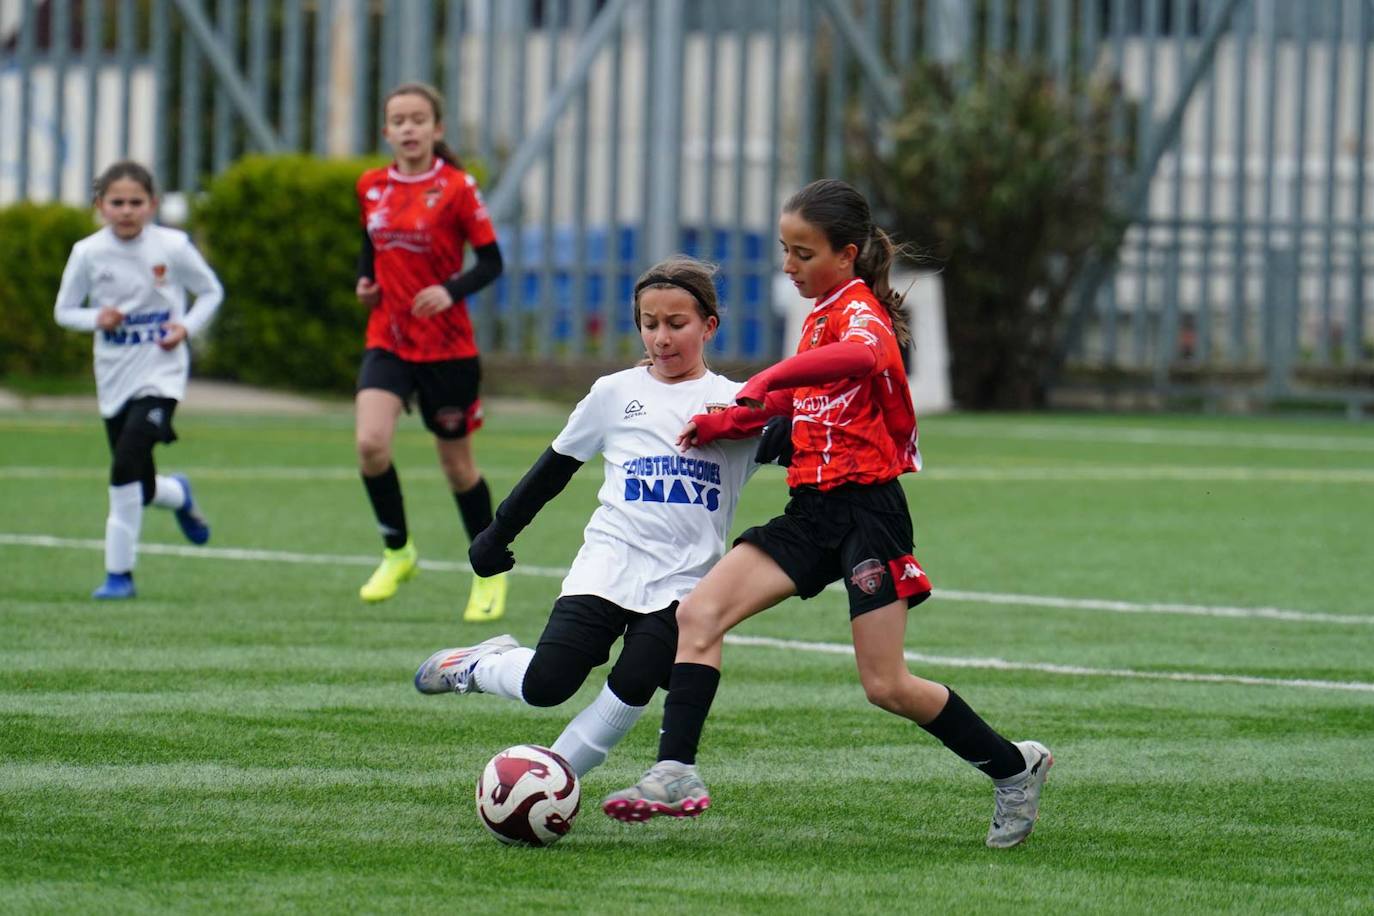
(1018, 797)
(669, 788)
(450, 670)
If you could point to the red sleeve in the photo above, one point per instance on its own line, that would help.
(473, 221)
(844, 359)
(742, 422)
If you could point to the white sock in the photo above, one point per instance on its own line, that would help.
(170, 494)
(121, 527)
(504, 674)
(590, 736)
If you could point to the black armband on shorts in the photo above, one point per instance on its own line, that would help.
(541, 483)
(488, 267)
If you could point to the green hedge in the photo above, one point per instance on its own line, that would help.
(36, 239)
(282, 233)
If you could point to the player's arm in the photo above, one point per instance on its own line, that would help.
(829, 363)
(71, 295)
(488, 267)
(736, 422)
(490, 551)
(366, 288)
(203, 284)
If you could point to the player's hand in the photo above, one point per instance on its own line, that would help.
(775, 443)
(490, 553)
(369, 292)
(752, 394)
(108, 318)
(688, 437)
(173, 333)
(430, 301)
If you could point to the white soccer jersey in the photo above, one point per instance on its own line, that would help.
(146, 278)
(664, 514)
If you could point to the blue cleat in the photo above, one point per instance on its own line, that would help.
(117, 586)
(193, 524)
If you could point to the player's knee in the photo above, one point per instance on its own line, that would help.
(698, 624)
(374, 452)
(635, 688)
(549, 685)
(126, 468)
(883, 692)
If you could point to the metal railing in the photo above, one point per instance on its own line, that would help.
(617, 131)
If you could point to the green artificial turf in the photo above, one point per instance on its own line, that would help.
(244, 736)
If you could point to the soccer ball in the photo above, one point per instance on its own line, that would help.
(528, 796)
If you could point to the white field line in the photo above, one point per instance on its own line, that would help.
(555, 572)
(1154, 436)
(999, 664)
(1028, 474)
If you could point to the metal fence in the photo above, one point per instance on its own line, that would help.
(617, 131)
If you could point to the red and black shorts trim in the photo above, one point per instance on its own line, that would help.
(855, 533)
(446, 389)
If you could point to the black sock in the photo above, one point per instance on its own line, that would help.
(384, 491)
(475, 508)
(691, 688)
(961, 730)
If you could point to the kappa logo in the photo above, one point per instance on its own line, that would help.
(374, 194)
(634, 409)
(911, 571)
(868, 575)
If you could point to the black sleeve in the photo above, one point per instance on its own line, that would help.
(541, 483)
(365, 268)
(487, 269)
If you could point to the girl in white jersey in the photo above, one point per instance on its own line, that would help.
(127, 283)
(661, 524)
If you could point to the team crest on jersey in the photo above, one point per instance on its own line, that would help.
(432, 196)
(716, 408)
(819, 329)
(159, 274)
(868, 575)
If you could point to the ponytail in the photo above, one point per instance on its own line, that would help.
(445, 152)
(873, 265)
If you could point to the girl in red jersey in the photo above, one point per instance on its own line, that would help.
(418, 213)
(853, 435)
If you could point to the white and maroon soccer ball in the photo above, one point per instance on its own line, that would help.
(528, 796)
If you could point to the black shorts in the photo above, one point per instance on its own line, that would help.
(148, 420)
(590, 624)
(447, 389)
(861, 534)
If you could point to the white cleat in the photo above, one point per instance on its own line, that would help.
(1018, 797)
(450, 670)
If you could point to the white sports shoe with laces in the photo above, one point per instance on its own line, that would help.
(1018, 797)
(450, 670)
(669, 788)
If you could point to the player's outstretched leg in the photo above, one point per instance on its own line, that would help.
(189, 517)
(1018, 797)
(116, 586)
(487, 600)
(669, 788)
(450, 670)
(396, 567)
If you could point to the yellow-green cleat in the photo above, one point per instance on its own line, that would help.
(397, 566)
(487, 600)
